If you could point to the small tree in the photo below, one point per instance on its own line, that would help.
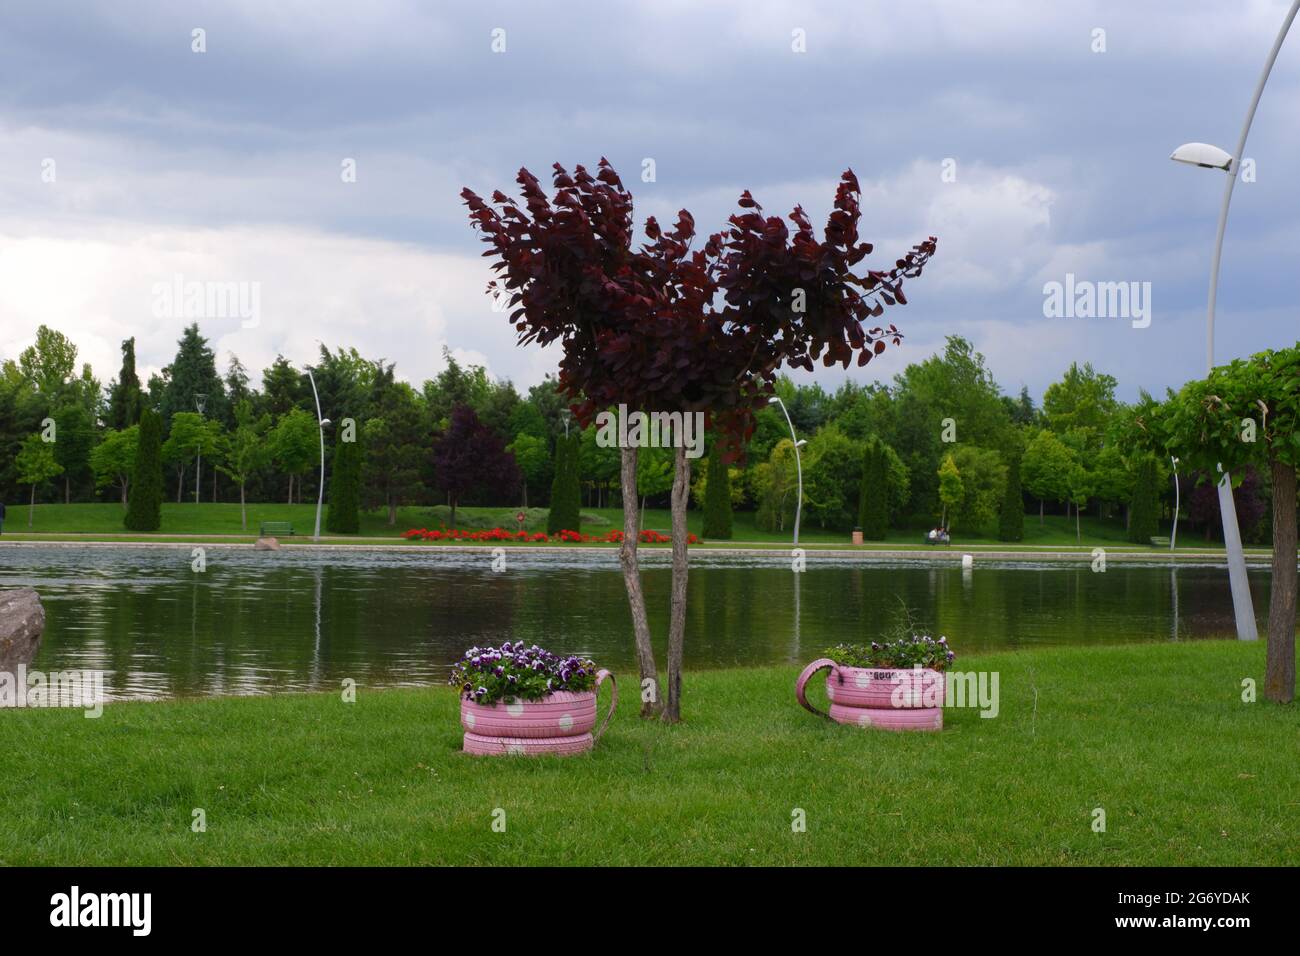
(36, 465)
(566, 492)
(1011, 518)
(113, 459)
(660, 327)
(345, 489)
(951, 489)
(247, 452)
(1045, 469)
(1242, 414)
(144, 510)
(295, 443)
(469, 458)
(717, 497)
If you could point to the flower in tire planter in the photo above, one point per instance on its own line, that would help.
(895, 685)
(518, 699)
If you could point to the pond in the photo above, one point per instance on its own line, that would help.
(303, 619)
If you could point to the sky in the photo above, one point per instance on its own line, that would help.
(314, 155)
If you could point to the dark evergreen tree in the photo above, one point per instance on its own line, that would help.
(345, 489)
(1011, 519)
(193, 373)
(469, 458)
(717, 497)
(873, 495)
(144, 510)
(1144, 509)
(566, 490)
(124, 394)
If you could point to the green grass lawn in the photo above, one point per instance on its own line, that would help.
(1157, 736)
(188, 521)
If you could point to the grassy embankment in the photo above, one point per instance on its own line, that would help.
(1157, 736)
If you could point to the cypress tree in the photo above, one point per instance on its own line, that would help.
(717, 497)
(1144, 508)
(345, 489)
(1011, 525)
(873, 495)
(144, 509)
(566, 490)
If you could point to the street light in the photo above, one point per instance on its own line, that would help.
(798, 443)
(321, 423)
(1202, 154)
(1173, 535)
(200, 402)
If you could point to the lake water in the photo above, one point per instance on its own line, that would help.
(263, 622)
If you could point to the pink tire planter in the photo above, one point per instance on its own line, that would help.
(560, 723)
(887, 698)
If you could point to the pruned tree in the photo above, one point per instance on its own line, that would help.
(660, 327)
(1248, 413)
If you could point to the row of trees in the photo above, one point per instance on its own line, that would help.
(942, 441)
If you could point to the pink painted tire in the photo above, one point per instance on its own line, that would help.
(529, 746)
(875, 687)
(562, 714)
(560, 723)
(914, 718)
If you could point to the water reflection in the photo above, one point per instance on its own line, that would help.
(259, 622)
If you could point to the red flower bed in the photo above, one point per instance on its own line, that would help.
(647, 536)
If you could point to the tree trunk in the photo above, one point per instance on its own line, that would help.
(1078, 535)
(1279, 669)
(124, 486)
(627, 558)
(180, 485)
(243, 509)
(453, 511)
(392, 513)
(67, 490)
(291, 489)
(1040, 512)
(31, 511)
(681, 569)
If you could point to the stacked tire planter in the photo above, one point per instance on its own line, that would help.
(560, 723)
(884, 697)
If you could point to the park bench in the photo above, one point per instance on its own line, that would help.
(271, 529)
(1160, 542)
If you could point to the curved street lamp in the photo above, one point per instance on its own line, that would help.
(321, 423)
(1173, 535)
(1212, 157)
(798, 443)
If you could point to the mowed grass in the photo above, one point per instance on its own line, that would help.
(189, 521)
(1156, 736)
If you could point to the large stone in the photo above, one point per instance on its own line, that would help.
(22, 621)
(266, 544)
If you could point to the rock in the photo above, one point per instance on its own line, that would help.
(266, 544)
(22, 621)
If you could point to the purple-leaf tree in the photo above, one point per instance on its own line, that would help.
(662, 327)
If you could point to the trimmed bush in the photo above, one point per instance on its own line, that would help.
(1011, 520)
(566, 490)
(717, 497)
(345, 489)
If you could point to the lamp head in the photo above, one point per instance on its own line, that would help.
(800, 443)
(1202, 154)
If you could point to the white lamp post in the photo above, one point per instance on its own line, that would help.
(1211, 157)
(798, 443)
(200, 402)
(321, 423)
(1173, 535)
